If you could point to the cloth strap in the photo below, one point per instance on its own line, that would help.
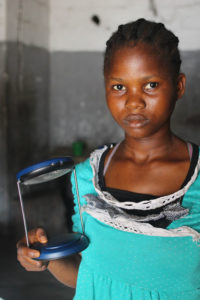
(190, 150)
(109, 158)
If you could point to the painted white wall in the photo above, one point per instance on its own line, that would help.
(71, 28)
(2, 20)
(65, 25)
(28, 22)
(4, 201)
(182, 17)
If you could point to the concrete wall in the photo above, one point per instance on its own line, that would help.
(186, 117)
(4, 201)
(24, 88)
(77, 31)
(27, 66)
(28, 22)
(78, 109)
(51, 82)
(77, 101)
(2, 20)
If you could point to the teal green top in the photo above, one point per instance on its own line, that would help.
(120, 265)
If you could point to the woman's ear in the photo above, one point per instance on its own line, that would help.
(181, 81)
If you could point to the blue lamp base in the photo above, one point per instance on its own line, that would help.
(61, 246)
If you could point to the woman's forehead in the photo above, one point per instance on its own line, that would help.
(138, 59)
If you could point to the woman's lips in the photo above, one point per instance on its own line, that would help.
(135, 120)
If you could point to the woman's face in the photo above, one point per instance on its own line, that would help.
(140, 91)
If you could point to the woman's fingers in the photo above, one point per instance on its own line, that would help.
(26, 255)
(32, 265)
(34, 236)
(23, 250)
(41, 235)
(37, 235)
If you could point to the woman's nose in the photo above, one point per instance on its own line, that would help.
(135, 100)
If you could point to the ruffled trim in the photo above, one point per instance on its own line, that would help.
(143, 205)
(108, 210)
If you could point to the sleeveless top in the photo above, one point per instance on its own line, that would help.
(128, 258)
(122, 195)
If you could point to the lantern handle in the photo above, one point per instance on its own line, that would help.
(78, 197)
(23, 213)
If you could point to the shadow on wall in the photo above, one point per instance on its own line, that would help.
(28, 105)
(186, 118)
(27, 108)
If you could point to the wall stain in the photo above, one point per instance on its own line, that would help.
(153, 7)
(96, 20)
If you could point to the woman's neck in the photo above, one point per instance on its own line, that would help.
(146, 149)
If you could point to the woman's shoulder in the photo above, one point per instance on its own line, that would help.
(85, 165)
(83, 169)
(89, 166)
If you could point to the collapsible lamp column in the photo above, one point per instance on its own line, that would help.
(63, 245)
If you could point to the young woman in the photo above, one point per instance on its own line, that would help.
(140, 197)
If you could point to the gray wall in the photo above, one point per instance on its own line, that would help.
(4, 201)
(186, 118)
(24, 125)
(27, 104)
(50, 100)
(77, 101)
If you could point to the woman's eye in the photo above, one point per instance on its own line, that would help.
(150, 86)
(119, 87)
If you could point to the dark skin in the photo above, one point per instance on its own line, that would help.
(141, 94)
(65, 270)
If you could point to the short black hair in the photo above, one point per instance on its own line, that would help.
(155, 34)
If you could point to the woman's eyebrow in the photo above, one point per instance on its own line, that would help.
(116, 79)
(144, 78)
(151, 76)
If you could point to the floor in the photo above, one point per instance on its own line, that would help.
(18, 284)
